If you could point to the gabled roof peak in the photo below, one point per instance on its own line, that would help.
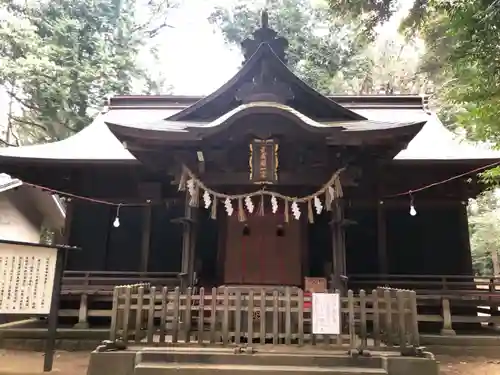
(265, 35)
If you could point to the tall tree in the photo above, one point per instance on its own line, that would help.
(484, 225)
(321, 45)
(389, 65)
(332, 51)
(59, 59)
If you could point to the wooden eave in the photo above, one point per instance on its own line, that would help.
(348, 101)
(335, 133)
(223, 99)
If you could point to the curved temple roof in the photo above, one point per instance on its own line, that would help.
(194, 131)
(263, 85)
(96, 143)
(264, 73)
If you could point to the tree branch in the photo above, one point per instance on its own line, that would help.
(27, 122)
(23, 102)
(5, 143)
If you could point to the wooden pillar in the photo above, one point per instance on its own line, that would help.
(148, 191)
(62, 237)
(188, 242)
(338, 246)
(383, 262)
(464, 234)
(146, 237)
(383, 266)
(466, 265)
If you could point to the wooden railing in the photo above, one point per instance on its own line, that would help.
(97, 286)
(230, 316)
(428, 284)
(444, 292)
(459, 309)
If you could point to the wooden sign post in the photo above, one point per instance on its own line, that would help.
(30, 284)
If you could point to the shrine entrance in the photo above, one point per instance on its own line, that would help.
(264, 250)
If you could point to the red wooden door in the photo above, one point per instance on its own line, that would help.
(263, 250)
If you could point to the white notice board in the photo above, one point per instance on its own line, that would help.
(326, 313)
(26, 278)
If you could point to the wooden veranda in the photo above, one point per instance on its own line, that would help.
(89, 294)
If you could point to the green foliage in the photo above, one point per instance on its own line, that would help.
(320, 45)
(463, 58)
(60, 59)
(372, 12)
(484, 228)
(334, 52)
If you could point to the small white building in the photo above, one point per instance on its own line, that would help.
(24, 210)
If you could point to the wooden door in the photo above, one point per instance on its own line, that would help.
(263, 251)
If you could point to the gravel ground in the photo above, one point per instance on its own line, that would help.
(29, 363)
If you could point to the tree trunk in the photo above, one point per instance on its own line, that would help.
(496, 264)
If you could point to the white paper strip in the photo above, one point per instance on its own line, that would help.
(326, 313)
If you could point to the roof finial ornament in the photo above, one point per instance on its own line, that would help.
(265, 35)
(264, 19)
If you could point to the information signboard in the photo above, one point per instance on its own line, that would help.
(30, 285)
(326, 313)
(26, 279)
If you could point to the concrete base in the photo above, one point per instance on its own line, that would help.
(411, 366)
(448, 332)
(204, 361)
(81, 325)
(116, 363)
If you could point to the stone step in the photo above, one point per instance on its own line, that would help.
(208, 369)
(268, 358)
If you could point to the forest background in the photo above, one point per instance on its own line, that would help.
(60, 59)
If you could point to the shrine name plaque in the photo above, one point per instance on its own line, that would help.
(26, 279)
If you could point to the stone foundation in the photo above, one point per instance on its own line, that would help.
(296, 361)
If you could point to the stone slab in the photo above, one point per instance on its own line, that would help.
(112, 363)
(203, 369)
(411, 366)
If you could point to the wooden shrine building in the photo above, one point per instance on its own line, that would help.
(359, 161)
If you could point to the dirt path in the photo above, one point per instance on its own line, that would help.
(469, 365)
(29, 363)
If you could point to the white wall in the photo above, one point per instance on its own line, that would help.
(14, 225)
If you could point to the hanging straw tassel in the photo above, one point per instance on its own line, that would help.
(287, 211)
(260, 212)
(213, 214)
(241, 211)
(183, 180)
(338, 188)
(328, 199)
(195, 198)
(310, 214)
